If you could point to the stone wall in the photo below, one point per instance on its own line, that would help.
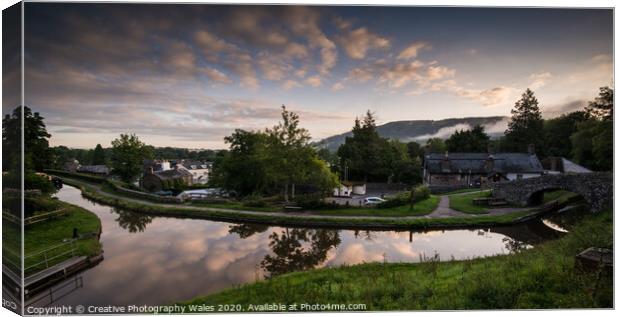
(596, 188)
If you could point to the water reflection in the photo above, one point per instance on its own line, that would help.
(298, 249)
(131, 221)
(178, 259)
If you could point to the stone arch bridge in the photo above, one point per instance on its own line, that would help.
(595, 188)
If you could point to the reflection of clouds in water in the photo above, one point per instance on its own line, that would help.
(177, 259)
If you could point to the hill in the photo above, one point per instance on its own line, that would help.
(422, 130)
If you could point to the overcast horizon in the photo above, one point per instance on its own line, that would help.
(188, 75)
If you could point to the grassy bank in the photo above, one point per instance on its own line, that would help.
(54, 232)
(541, 277)
(295, 220)
(464, 203)
(420, 208)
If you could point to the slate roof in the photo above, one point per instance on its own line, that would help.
(96, 169)
(475, 162)
(172, 174)
(563, 165)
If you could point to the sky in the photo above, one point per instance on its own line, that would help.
(188, 75)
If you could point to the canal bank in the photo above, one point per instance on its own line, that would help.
(544, 277)
(499, 217)
(155, 260)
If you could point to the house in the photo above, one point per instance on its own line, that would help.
(155, 181)
(200, 170)
(461, 170)
(156, 165)
(343, 190)
(94, 169)
(347, 189)
(71, 165)
(561, 165)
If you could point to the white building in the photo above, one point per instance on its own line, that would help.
(200, 170)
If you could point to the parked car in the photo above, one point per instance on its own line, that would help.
(373, 200)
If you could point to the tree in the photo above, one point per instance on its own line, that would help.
(98, 155)
(435, 145)
(128, 154)
(526, 124)
(363, 154)
(291, 152)
(280, 157)
(592, 144)
(37, 155)
(415, 150)
(244, 167)
(474, 140)
(558, 132)
(603, 106)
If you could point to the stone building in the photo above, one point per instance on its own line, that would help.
(462, 170)
(166, 180)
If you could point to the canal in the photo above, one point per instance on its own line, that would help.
(158, 260)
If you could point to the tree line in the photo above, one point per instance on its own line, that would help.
(584, 136)
(281, 160)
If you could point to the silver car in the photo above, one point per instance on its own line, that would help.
(373, 200)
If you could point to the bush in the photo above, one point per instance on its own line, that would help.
(420, 193)
(42, 183)
(313, 202)
(254, 201)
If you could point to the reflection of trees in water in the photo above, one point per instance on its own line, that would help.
(247, 230)
(513, 245)
(132, 221)
(289, 255)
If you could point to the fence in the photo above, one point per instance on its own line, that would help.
(43, 259)
(54, 293)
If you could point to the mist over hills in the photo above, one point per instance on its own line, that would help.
(422, 130)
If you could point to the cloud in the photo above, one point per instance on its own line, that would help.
(439, 72)
(564, 107)
(356, 43)
(539, 80)
(296, 50)
(273, 67)
(217, 75)
(489, 97)
(400, 74)
(412, 50)
(314, 81)
(304, 22)
(290, 84)
(337, 86)
(444, 132)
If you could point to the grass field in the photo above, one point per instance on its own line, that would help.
(421, 208)
(541, 277)
(53, 232)
(464, 203)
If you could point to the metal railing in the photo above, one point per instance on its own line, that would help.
(11, 260)
(53, 294)
(45, 216)
(49, 256)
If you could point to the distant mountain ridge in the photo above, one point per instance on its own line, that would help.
(422, 130)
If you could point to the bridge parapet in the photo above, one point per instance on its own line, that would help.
(595, 188)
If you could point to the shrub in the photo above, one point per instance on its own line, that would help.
(254, 201)
(420, 193)
(313, 202)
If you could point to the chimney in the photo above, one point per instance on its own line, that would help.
(530, 149)
(489, 164)
(445, 163)
(150, 169)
